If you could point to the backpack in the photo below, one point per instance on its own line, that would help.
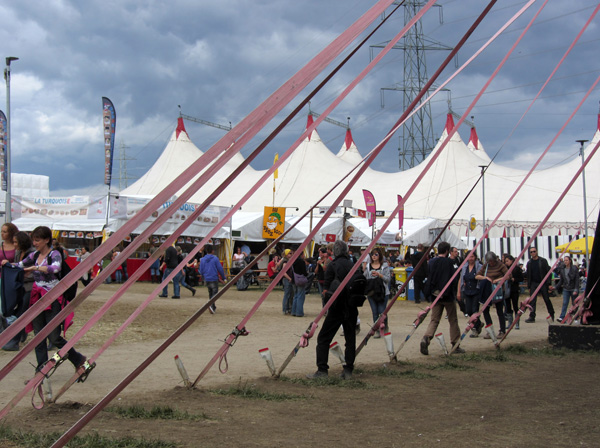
(355, 287)
(71, 291)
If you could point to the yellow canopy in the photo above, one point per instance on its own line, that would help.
(577, 246)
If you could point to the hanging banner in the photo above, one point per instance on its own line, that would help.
(109, 121)
(400, 214)
(273, 222)
(3, 143)
(370, 206)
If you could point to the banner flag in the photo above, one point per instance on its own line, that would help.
(273, 222)
(370, 206)
(400, 214)
(3, 143)
(276, 172)
(109, 121)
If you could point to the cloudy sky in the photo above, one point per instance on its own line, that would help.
(220, 59)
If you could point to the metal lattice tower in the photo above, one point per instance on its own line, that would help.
(417, 141)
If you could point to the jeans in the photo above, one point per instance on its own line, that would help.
(566, 296)
(288, 294)
(176, 285)
(118, 276)
(213, 289)
(379, 307)
(545, 296)
(298, 303)
(472, 305)
(41, 350)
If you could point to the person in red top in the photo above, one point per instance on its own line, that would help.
(272, 266)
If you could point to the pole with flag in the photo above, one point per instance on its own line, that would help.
(371, 209)
(109, 122)
(275, 176)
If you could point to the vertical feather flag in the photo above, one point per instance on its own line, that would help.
(109, 121)
(370, 206)
(400, 214)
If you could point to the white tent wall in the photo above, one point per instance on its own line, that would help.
(514, 245)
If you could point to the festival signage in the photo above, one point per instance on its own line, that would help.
(273, 222)
(109, 121)
(370, 206)
(3, 144)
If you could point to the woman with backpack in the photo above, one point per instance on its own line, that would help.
(377, 273)
(45, 264)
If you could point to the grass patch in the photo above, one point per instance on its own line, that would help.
(397, 373)
(499, 356)
(156, 413)
(330, 381)
(34, 440)
(253, 393)
(449, 364)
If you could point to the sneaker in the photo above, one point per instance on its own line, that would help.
(487, 336)
(559, 320)
(175, 297)
(530, 320)
(517, 327)
(459, 351)
(346, 374)
(357, 328)
(474, 334)
(500, 335)
(11, 346)
(425, 346)
(163, 296)
(318, 374)
(377, 335)
(193, 292)
(212, 309)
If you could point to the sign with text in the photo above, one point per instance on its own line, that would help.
(273, 222)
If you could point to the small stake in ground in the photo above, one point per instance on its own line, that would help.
(337, 351)
(442, 341)
(182, 371)
(490, 330)
(47, 389)
(265, 354)
(389, 345)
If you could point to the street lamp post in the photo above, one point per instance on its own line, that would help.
(7, 212)
(483, 167)
(587, 252)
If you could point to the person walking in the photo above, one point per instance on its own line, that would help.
(212, 272)
(288, 284)
(180, 258)
(421, 274)
(169, 264)
(490, 274)
(468, 290)
(341, 312)
(441, 270)
(377, 273)
(514, 287)
(537, 268)
(569, 283)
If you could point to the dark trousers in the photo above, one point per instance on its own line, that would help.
(499, 311)
(41, 350)
(471, 302)
(545, 296)
(512, 302)
(419, 288)
(335, 318)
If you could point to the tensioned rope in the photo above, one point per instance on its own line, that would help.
(312, 327)
(421, 315)
(475, 316)
(297, 83)
(250, 124)
(207, 202)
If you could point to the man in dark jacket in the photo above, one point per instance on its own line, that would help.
(340, 313)
(537, 268)
(441, 269)
(420, 274)
(169, 264)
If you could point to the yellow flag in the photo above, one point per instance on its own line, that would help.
(276, 172)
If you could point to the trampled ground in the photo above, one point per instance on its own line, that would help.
(525, 395)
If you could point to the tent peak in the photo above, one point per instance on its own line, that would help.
(180, 128)
(474, 139)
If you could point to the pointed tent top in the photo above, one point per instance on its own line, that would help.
(474, 139)
(309, 121)
(449, 123)
(180, 128)
(348, 141)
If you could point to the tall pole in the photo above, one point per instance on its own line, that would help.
(483, 167)
(7, 210)
(587, 251)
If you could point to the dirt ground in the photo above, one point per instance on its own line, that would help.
(524, 395)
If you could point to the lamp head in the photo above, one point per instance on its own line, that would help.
(10, 59)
